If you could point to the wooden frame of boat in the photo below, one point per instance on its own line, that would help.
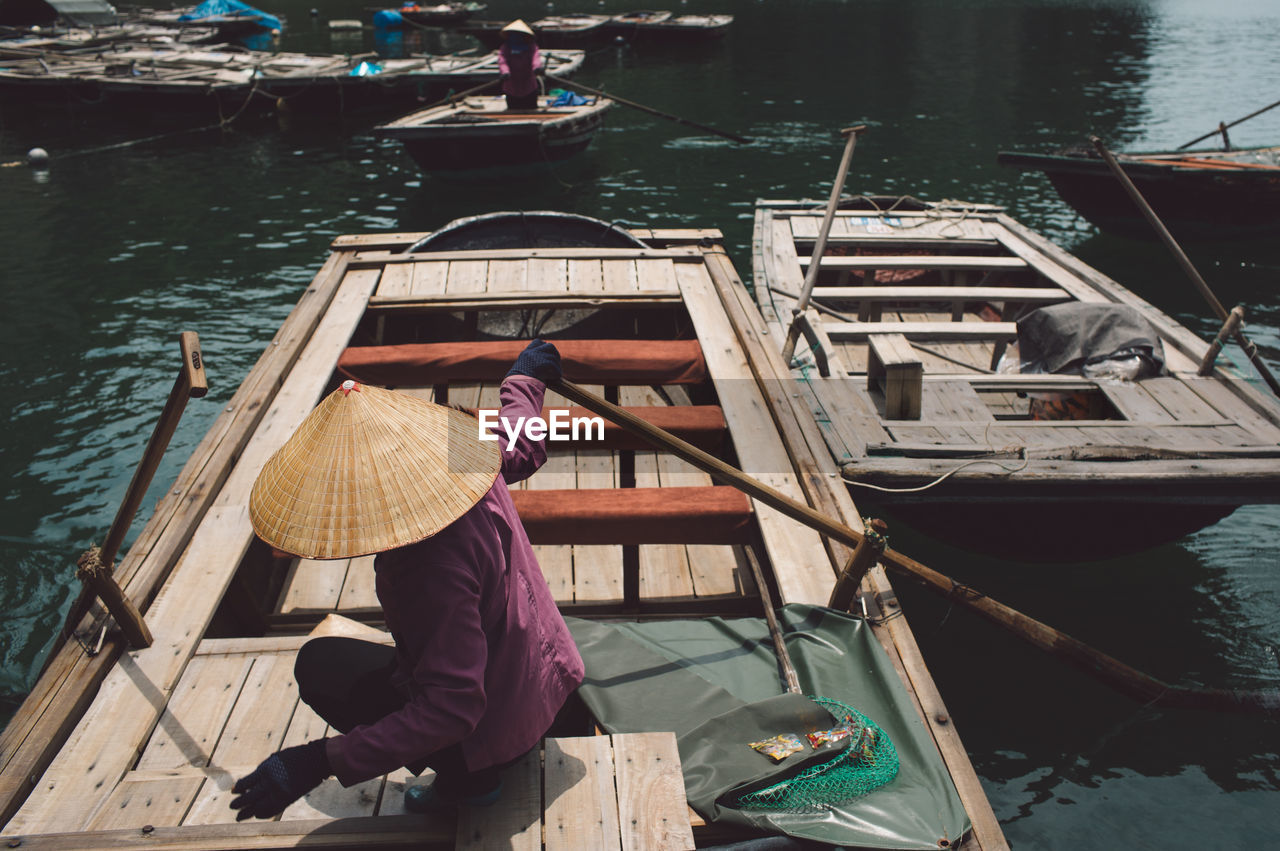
(147, 759)
(185, 77)
(916, 302)
(479, 135)
(1216, 194)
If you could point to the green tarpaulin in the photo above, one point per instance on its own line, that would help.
(715, 683)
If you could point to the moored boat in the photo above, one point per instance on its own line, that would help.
(968, 375)
(480, 137)
(1216, 194)
(426, 14)
(622, 532)
(558, 31)
(228, 80)
(665, 25)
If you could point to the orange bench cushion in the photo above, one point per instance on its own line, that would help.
(705, 515)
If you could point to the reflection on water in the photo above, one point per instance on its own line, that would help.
(111, 254)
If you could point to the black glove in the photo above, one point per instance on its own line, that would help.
(539, 360)
(281, 779)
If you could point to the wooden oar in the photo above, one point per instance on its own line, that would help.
(1222, 128)
(576, 85)
(1250, 350)
(820, 245)
(95, 565)
(1112, 672)
(453, 98)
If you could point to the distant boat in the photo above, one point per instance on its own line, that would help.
(572, 31)
(231, 19)
(478, 137)
(1220, 194)
(648, 24)
(426, 15)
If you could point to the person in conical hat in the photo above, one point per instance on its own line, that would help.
(519, 63)
(482, 661)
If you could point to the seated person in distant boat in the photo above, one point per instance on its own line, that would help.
(519, 62)
(483, 661)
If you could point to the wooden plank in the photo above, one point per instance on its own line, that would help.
(467, 276)
(597, 569)
(1178, 399)
(556, 560)
(797, 553)
(257, 725)
(196, 713)
(854, 262)
(395, 281)
(652, 810)
(620, 276)
(134, 804)
(516, 822)
(1134, 403)
(581, 802)
(956, 400)
(840, 331)
(679, 253)
(656, 274)
(429, 278)
(359, 590)
(908, 292)
(313, 585)
(527, 299)
(548, 274)
(586, 276)
(507, 276)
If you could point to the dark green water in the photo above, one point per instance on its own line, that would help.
(108, 256)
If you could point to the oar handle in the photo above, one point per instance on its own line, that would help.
(820, 244)
(191, 383)
(1228, 330)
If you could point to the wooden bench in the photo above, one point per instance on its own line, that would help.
(997, 331)
(894, 369)
(871, 298)
(924, 261)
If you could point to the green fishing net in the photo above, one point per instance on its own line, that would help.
(868, 762)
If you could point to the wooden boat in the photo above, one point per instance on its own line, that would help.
(227, 80)
(428, 14)
(557, 31)
(665, 25)
(480, 137)
(659, 319)
(230, 22)
(1220, 194)
(915, 306)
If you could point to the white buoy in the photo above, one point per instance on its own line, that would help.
(37, 157)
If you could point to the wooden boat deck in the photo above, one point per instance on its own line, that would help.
(151, 757)
(951, 282)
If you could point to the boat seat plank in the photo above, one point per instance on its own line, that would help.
(859, 262)
(906, 292)
(582, 804)
(584, 361)
(1135, 403)
(701, 425)
(586, 276)
(507, 276)
(656, 274)
(895, 371)
(597, 568)
(395, 281)
(428, 279)
(548, 274)
(652, 810)
(467, 276)
(706, 515)
(839, 331)
(516, 824)
(621, 276)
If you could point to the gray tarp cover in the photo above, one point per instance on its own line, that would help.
(1062, 337)
(715, 683)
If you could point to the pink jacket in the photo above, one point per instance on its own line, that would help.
(521, 68)
(483, 654)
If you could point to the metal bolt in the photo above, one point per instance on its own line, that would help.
(14, 843)
(941, 718)
(147, 828)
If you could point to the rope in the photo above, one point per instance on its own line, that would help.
(985, 437)
(90, 565)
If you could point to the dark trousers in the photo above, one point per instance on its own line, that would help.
(348, 683)
(529, 101)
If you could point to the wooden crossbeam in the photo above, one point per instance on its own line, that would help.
(841, 331)
(928, 261)
(906, 292)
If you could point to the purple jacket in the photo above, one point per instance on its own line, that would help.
(520, 66)
(482, 653)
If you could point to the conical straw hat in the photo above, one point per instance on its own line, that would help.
(518, 26)
(369, 470)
